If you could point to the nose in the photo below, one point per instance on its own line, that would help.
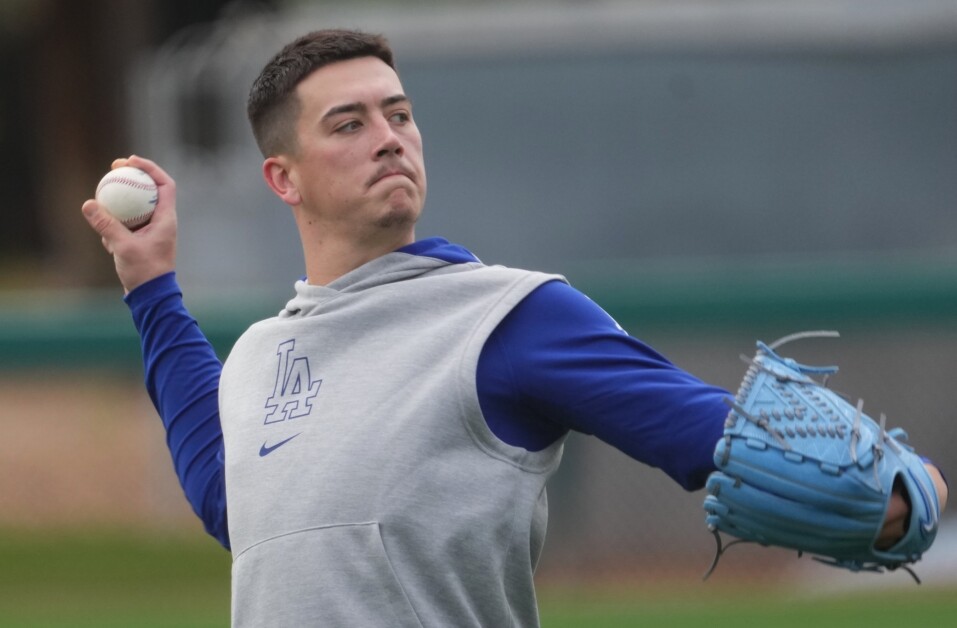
(390, 147)
(389, 143)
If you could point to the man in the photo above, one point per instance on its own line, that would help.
(383, 444)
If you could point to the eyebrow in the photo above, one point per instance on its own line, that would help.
(359, 107)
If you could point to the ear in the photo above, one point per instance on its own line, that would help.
(276, 172)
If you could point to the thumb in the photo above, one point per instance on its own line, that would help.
(108, 227)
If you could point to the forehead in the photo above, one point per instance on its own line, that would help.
(365, 79)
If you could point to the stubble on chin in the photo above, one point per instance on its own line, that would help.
(403, 211)
(397, 217)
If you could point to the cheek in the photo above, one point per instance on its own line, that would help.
(414, 148)
(333, 170)
(415, 139)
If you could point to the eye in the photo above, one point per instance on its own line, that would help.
(400, 117)
(349, 127)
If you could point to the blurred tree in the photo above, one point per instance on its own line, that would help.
(21, 232)
(63, 119)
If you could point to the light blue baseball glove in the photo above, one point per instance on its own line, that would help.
(799, 467)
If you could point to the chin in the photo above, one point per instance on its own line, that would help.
(398, 217)
(402, 210)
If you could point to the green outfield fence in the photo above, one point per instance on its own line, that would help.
(84, 328)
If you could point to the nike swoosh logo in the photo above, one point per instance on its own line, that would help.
(928, 524)
(266, 450)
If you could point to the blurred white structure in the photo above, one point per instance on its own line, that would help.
(557, 134)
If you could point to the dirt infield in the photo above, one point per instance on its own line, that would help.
(84, 449)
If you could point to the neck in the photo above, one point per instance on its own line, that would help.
(328, 258)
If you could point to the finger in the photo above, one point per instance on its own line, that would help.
(146, 165)
(151, 168)
(940, 484)
(891, 533)
(109, 228)
(898, 508)
(895, 521)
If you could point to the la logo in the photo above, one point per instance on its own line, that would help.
(294, 390)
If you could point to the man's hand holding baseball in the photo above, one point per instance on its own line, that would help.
(151, 250)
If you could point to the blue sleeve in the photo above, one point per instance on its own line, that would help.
(182, 378)
(559, 362)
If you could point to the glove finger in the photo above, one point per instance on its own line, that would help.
(747, 498)
(742, 510)
(751, 530)
(806, 481)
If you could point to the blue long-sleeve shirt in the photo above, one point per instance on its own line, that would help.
(557, 362)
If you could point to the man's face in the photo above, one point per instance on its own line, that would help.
(359, 160)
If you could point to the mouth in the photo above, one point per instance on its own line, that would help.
(388, 172)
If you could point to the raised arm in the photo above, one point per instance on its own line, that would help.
(180, 366)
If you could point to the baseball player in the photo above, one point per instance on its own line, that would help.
(377, 453)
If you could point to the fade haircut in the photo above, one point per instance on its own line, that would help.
(273, 107)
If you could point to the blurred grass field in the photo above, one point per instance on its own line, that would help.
(112, 579)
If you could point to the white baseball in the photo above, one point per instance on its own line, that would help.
(129, 194)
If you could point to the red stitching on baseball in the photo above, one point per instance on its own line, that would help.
(149, 187)
(134, 220)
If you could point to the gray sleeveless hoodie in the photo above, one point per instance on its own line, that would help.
(364, 487)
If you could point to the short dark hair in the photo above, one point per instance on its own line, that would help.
(273, 108)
